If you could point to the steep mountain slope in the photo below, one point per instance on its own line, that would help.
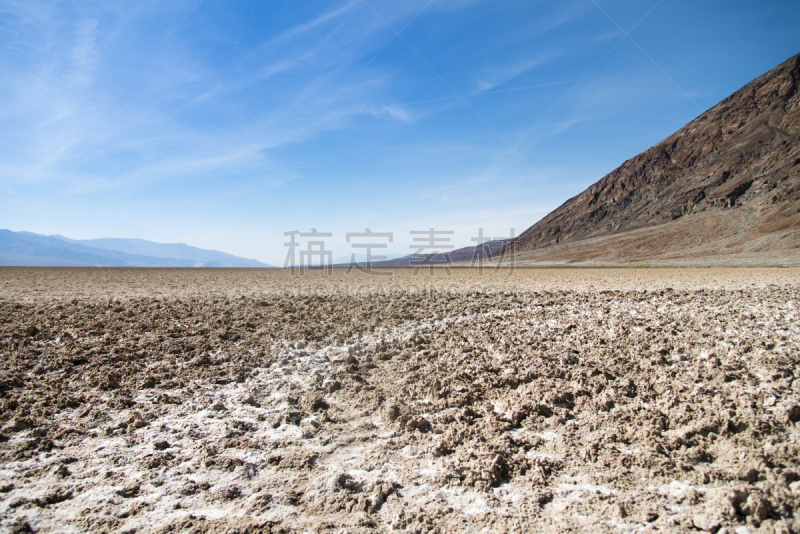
(726, 184)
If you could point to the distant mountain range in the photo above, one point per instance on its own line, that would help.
(29, 249)
(462, 256)
(724, 188)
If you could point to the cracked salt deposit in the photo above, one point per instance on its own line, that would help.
(632, 409)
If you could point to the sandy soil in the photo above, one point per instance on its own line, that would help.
(686, 242)
(613, 400)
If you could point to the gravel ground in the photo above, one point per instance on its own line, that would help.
(613, 400)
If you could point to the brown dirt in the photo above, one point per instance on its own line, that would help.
(681, 243)
(252, 401)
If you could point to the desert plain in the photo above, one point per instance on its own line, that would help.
(548, 400)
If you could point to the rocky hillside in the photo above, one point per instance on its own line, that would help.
(726, 184)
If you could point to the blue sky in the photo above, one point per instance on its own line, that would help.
(224, 124)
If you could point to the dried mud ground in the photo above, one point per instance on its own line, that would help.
(608, 400)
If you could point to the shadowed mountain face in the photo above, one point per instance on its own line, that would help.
(726, 184)
(464, 255)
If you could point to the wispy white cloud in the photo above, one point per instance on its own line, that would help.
(496, 76)
(85, 56)
(314, 23)
(395, 112)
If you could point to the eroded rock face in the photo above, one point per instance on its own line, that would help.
(672, 407)
(732, 175)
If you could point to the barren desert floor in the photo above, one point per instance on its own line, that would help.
(550, 400)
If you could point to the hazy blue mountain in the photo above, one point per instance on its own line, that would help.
(27, 248)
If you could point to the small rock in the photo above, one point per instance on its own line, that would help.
(201, 359)
(112, 381)
(229, 493)
(54, 496)
(707, 522)
(17, 502)
(61, 471)
(135, 421)
(129, 491)
(750, 474)
(20, 527)
(793, 413)
(20, 423)
(392, 411)
(31, 331)
(418, 423)
(332, 385)
(249, 400)
(314, 402)
(340, 481)
(161, 445)
(737, 496)
(756, 507)
(156, 460)
(188, 488)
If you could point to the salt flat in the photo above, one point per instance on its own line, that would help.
(209, 400)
